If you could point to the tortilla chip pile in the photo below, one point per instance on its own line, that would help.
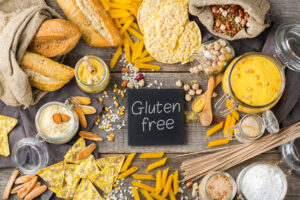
(169, 36)
(6, 125)
(73, 179)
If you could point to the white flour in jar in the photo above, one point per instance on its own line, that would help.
(262, 182)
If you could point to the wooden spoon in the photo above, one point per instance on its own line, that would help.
(206, 115)
(218, 80)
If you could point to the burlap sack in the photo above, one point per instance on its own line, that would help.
(19, 21)
(257, 10)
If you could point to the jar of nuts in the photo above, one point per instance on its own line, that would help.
(212, 57)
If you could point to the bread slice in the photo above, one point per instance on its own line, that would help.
(43, 82)
(96, 25)
(47, 67)
(55, 37)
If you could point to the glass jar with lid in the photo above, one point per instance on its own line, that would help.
(254, 82)
(252, 126)
(290, 153)
(51, 131)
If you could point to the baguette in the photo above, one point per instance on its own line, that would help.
(44, 73)
(97, 27)
(55, 37)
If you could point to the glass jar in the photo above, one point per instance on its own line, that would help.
(60, 133)
(101, 70)
(290, 153)
(207, 61)
(206, 180)
(287, 42)
(256, 183)
(267, 121)
(30, 155)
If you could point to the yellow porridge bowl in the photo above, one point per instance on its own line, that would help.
(254, 81)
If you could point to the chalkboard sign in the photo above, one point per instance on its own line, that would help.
(155, 116)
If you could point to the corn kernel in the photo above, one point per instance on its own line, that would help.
(104, 92)
(114, 98)
(105, 196)
(115, 86)
(106, 109)
(108, 114)
(111, 135)
(115, 90)
(122, 95)
(119, 91)
(117, 105)
(102, 127)
(122, 109)
(109, 125)
(115, 185)
(106, 127)
(121, 113)
(110, 139)
(100, 100)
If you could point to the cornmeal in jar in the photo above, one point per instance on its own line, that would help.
(256, 80)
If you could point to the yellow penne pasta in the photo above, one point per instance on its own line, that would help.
(227, 124)
(105, 4)
(146, 194)
(117, 22)
(156, 164)
(143, 186)
(135, 47)
(176, 182)
(128, 172)
(171, 194)
(116, 57)
(121, 1)
(120, 14)
(214, 129)
(127, 50)
(129, 39)
(135, 33)
(144, 60)
(218, 142)
(144, 54)
(143, 177)
(124, 20)
(147, 66)
(134, 25)
(168, 185)
(133, 11)
(158, 182)
(128, 161)
(122, 6)
(139, 49)
(157, 196)
(164, 177)
(126, 25)
(152, 155)
(135, 193)
(236, 115)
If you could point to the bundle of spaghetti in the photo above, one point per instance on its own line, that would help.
(196, 168)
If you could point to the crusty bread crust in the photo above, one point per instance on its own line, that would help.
(47, 67)
(91, 34)
(55, 37)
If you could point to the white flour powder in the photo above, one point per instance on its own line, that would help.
(262, 182)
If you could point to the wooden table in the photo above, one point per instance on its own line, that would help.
(282, 11)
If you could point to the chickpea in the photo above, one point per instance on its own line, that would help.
(188, 97)
(198, 92)
(192, 92)
(186, 87)
(179, 83)
(195, 86)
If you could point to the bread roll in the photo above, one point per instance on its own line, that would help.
(96, 25)
(44, 73)
(55, 37)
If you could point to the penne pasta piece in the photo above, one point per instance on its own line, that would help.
(128, 172)
(143, 186)
(135, 33)
(156, 164)
(135, 193)
(144, 60)
(158, 182)
(152, 155)
(176, 182)
(115, 57)
(143, 177)
(146, 194)
(214, 129)
(168, 186)
(128, 161)
(218, 142)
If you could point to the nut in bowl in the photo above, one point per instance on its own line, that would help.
(56, 122)
(212, 57)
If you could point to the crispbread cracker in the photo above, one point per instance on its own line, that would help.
(71, 181)
(4, 145)
(169, 36)
(7, 124)
(70, 156)
(54, 176)
(87, 167)
(86, 191)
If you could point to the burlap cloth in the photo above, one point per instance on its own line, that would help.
(19, 21)
(257, 10)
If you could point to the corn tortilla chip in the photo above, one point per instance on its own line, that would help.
(86, 191)
(7, 124)
(4, 145)
(70, 156)
(87, 168)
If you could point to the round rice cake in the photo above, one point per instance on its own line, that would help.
(169, 36)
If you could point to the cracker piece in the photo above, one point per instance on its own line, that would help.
(114, 162)
(7, 124)
(4, 145)
(70, 156)
(86, 191)
(87, 168)
(53, 175)
(104, 180)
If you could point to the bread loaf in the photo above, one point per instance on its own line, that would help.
(44, 73)
(55, 37)
(96, 25)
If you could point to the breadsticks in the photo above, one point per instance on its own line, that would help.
(24, 191)
(86, 151)
(10, 184)
(36, 192)
(90, 136)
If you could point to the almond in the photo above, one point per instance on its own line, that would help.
(124, 84)
(57, 118)
(65, 118)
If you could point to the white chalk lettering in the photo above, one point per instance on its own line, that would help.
(139, 108)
